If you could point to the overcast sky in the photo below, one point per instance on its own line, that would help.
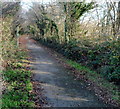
(28, 2)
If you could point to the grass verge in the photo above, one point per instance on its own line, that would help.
(98, 79)
(18, 86)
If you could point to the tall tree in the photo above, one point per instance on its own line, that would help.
(73, 11)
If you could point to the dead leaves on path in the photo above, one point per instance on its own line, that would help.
(39, 98)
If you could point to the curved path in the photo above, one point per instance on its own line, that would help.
(60, 87)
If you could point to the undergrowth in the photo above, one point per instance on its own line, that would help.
(18, 86)
(17, 79)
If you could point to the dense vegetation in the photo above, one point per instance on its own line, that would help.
(17, 83)
(92, 48)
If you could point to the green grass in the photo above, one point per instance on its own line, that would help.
(19, 75)
(16, 99)
(97, 78)
(19, 87)
(80, 67)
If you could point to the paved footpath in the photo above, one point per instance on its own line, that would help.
(60, 87)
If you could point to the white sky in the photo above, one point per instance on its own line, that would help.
(25, 2)
(46, 1)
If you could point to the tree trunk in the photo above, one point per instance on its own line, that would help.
(118, 16)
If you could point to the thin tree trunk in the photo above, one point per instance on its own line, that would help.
(118, 16)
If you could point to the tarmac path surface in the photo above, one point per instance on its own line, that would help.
(60, 87)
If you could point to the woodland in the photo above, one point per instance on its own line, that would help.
(86, 34)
